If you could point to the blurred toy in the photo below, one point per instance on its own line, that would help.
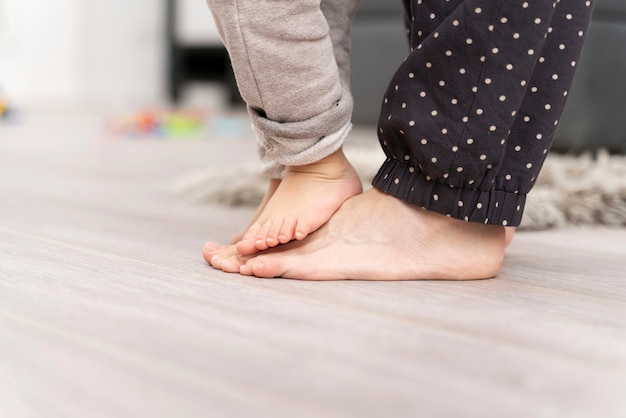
(172, 124)
(5, 110)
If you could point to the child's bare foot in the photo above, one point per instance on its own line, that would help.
(212, 248)
(304, 200)
(375, 236)
(271, 188)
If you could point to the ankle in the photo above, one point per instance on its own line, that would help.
(333, 164)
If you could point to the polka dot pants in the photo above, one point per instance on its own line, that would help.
(469, 116)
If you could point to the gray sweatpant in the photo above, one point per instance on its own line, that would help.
(291, 63)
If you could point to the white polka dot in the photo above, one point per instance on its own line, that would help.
(434, 113)
(396, 181)
(460, 203)
(448, 53)
(531, 52)
(508, 177)
(478, 10)
(411, 169)
(411, 123)
(529, 165)
(455, 23)
(555, 76)
(424, 141)
(432, 16)
(562, 47)
(429, 64)
(495, 50)
(444, 131)
(469, 41)
(470, 141)
(465, 119)
(436, 35)
(492, 128)
(435, 197)
(525, 5)
(403, 105)
(462, 70)
(539, 136)
(479, 205)
(422, 94)
(407, 157)
(479, 111)
(526, 118)
(454, 101)
(459, 169)
(487, 81)
(434, 159)
(483, 157)
(386, 100)
(442, 83)
(534, 89)
(505, 223)
(455, 148)
(518, 148)
(568, 16)
(537, 21)
(502, 98)
(509, 67)
(474, 89)
(411, 75)
(516, 35)
(504, 20)
(548, 106)
(542, 59)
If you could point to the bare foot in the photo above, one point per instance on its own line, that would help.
(304, 200)
(212, 249)
(271, 188)
(510, 231)
(375, 236)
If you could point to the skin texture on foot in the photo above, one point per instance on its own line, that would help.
(271, 188)
(375, 236)
(304, 200)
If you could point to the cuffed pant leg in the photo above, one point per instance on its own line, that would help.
(289, 64)
(469, 116)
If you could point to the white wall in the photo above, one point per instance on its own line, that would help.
(40, 49)
(83, 52)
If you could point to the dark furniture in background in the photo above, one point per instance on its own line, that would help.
(595, 116)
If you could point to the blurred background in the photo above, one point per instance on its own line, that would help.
(123, 57)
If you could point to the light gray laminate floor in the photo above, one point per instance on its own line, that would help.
(107, 309)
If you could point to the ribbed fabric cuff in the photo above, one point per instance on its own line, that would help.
(495, 207)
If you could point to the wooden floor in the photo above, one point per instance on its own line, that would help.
(108, 310)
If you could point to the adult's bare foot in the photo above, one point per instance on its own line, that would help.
(375, 236)
(510, 231)
(304, 200)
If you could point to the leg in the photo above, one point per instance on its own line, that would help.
(466, 124)
(290, 67)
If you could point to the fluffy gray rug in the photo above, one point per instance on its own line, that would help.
(581, 190)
